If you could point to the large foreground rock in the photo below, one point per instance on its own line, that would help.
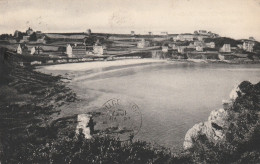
(83, 121)
(212, 129)
(243, 108)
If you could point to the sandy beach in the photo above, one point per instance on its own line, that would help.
(97, 64)
(171, 95)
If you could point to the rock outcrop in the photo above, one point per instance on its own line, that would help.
(243, 107)
(212, 129)
(83, 121)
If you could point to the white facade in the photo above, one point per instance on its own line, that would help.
(199, 48)
(69, 51)
(143, 44)
(226, 48)
(181, 49)
(248, 46)
(203, 32)
(19, 49)
(164, 48)
(98, 50)
(32, 50)
(210, 45)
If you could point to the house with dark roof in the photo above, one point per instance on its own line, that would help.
(76, 50)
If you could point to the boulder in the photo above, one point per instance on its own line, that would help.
(83, 121)
(204, 128)
(212, 129)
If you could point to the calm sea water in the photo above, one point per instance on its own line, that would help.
(171, 96)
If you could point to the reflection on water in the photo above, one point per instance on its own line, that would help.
(172, 97)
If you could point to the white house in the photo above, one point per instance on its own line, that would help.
(210, 45)
(98, 49)
(199, 48)
(69, 51)
(143, 44)
(226, 48)
(203, 32)
(33, 50)
(248, 46)
(19, 49)
(181, 49)
(164, 48)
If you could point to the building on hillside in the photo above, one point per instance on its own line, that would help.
(199, 48)
(200, 38)
(226, 48)
(181, 49)
(203, 32)
(173, 46)
(33, 50)
(191, 45)
(198, 43)
(248, 46)
(164, 33)
(165, 48)
(79, 50)
(184, 37)
(143, 44)
(210, 45)
(19, 49)
(69, 51)
(75, 50)
(29, 31)
(132, 33)
(251, 38)
(98, 49)
(150, 33)
(22, 49)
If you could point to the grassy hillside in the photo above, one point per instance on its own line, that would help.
(219, 42)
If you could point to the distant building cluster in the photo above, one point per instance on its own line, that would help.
(89, 44)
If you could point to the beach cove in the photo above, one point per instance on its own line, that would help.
(171, 96)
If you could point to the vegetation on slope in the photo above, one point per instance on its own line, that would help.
(219, 42)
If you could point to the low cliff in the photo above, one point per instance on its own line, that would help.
(231, 134)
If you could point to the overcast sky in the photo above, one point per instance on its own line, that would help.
(232, 18)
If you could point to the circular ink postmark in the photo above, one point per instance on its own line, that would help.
(121, 119)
